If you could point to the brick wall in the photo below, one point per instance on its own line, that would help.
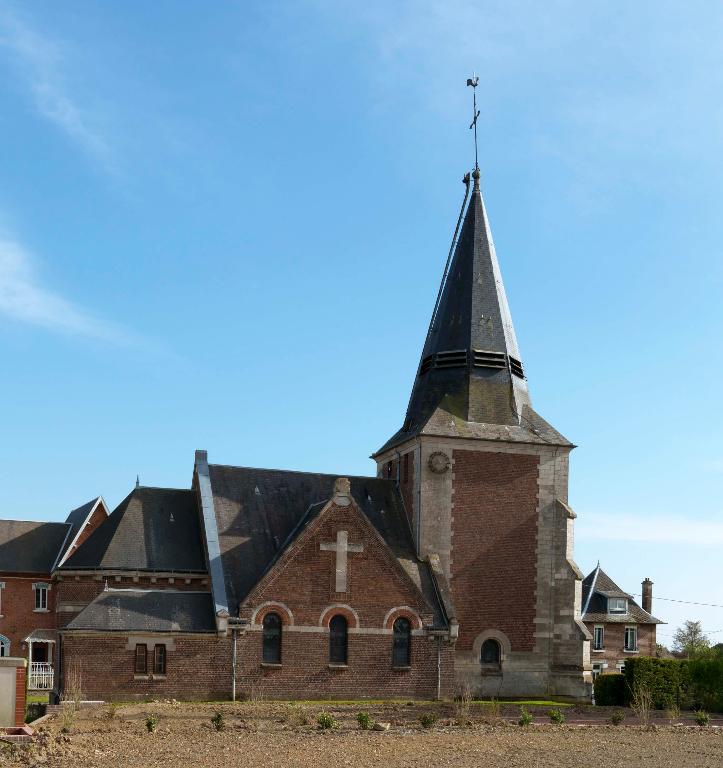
(199, 667)
(20, 673)
(614, 640)
(98, 516)
(494, 543)
(304, 672)
(19, 617)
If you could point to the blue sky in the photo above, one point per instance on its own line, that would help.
(222, 226)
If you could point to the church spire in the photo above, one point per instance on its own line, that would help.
(471, 372)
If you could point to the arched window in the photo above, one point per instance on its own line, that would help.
(272, 638)
(402, 643)
(338, 639)
(491, 652)
(4, 646)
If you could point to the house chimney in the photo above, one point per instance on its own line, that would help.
(648, 595)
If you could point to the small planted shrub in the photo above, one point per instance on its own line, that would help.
(365, 721)
(556, 716)
(295, 715)
(217, 721)
(610, 690)
(525, 717)
(326, 721)
(151, 723)
(428, 719)
(617, 717)
(702, 717)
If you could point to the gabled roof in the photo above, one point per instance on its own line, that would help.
(259, 512)
(30, 547)
(470, 381)
(597, 587)
(77, 519)
(159, 610)
(153, 529)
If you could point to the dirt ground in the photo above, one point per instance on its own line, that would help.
(254, 734)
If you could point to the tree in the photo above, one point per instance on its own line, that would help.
(661, 651)
(689, 640)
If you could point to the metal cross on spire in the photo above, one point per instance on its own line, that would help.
(475, 114)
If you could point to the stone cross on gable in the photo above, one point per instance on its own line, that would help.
(342, 547)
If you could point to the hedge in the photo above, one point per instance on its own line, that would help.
(610, 690)
(667, 680)
(706, 683)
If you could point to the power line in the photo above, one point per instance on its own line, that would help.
(687, 602)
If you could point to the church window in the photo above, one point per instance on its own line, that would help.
(401, 643)
(598, 638)
(490, 652)
(141, 665)
(4, 646)
(272, 638)
(41, 596)
(338, 631)
(159, 659)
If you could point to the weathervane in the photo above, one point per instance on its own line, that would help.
(475, 114)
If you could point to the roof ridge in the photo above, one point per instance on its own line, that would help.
(298, 472)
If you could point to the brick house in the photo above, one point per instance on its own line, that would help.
(620, 628)
(29, 554)
(450, 569)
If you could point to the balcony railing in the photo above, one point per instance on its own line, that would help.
(41, 676)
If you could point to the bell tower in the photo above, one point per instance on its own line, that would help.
(484, 480)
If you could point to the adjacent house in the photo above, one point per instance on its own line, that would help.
(620, 628)
(30, 552)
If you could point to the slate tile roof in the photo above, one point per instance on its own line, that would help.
(597, 587)
(30, 547)
(260, 511)
(160, 610)
(153, 529)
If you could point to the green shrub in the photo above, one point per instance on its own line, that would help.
(428, 719)
(610, 690)
(556, 716)
(326, 721)
(705, 680)
(151, 723)
(667, 680)
(617, 717)
(525, 717)
(702, 717)
(218, 722)
(365, 721)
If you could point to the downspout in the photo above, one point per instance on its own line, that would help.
(233, 666)
(439, 668)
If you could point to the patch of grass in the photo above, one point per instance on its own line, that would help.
(617, 717)
(531, 703)
(428, 719)
(702, 717)
(525, 717)
(326, 721)
(365, 721)
(217, 721)
(556, 716)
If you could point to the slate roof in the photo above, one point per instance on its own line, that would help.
(260, 511)
(153, 529)
(30, 547)
(597, 587)
(160, 610)
(467, 399)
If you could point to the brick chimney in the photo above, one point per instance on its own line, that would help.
(648, 595)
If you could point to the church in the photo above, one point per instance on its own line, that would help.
(451, 570)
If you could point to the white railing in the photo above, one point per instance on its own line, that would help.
(41, 676)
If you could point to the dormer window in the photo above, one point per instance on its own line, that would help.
(617, 605)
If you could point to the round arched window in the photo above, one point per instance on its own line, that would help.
(338, 630)
(272, 638)
(401, 643)
(491, 652)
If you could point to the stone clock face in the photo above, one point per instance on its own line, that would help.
(439, 462)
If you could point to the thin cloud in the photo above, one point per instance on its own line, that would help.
(24, 299)
(39, 61)
(623, 527)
